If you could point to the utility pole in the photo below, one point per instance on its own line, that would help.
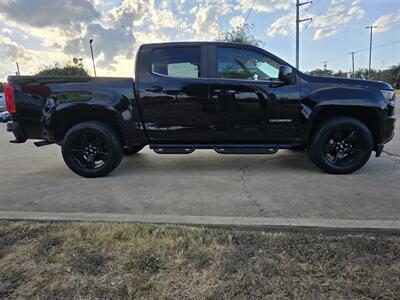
(18, 72)
(352, 61)
(370, 49)
(324, 64)
(91, 51)
(298, 21)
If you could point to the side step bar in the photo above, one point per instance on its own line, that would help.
(256, 149)
(43, 143)
(219, 148)
(173, 149)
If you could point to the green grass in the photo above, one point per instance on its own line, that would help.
(119, 261)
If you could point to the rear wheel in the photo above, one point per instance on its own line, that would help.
(92, 149)
(342, 145)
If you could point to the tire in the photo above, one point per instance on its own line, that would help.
(92, 149)
(133, 150)
(341, 145)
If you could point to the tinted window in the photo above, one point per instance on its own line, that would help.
(177, 62)
(246, 64)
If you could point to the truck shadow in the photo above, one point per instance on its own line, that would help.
(209, 161)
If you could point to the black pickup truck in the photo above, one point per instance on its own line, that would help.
(229, 97)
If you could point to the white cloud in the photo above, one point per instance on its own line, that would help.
(128, 14)
(205, 24)
(180, 4)
(43, 13)
(236, 21)
(265, 6)
(336, 16)
(163, 18)
(386, 22)
(281, 26)
(11, 51)
(29, 60)
(151, 37)
(110, 41)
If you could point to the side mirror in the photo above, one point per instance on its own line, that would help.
(285, 74)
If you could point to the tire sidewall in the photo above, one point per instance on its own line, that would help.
(110, 138)
(316, 149)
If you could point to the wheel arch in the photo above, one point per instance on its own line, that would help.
(370, 116)
(65, 119)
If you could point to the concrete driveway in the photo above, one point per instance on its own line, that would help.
(283, 185)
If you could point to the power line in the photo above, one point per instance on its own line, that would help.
(251, 8)
(364, 49)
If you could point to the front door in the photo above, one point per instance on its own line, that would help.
(249, 104)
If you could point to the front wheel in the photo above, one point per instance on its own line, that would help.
(341, 145)
(92, 149)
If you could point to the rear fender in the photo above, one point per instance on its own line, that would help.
(66, 109)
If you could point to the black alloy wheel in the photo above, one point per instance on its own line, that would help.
(341, 145)
(89, 150)
(92, 149)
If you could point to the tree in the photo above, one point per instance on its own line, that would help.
(391, 75)
(241, 34)
(67, 69)
(320, 72)
(1, 87)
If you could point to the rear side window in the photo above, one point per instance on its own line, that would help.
(177, 61)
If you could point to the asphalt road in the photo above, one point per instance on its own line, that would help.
(283, 185)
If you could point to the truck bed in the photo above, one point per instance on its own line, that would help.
(33, 93)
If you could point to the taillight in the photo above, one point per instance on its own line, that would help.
(10, 98)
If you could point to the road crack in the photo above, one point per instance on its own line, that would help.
(245, 188)
(392, 156)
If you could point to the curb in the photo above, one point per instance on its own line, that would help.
(256, 223)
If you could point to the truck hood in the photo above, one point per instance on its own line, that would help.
(378, 85)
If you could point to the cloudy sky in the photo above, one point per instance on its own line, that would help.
(38, 32)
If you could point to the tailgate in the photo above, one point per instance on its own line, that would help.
(31, 93)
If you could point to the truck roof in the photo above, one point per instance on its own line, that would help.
(196, 43)
(203, 43)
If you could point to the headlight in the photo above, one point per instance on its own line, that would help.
(389, 96)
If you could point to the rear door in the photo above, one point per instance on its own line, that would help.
(248, 103)
(173, 89)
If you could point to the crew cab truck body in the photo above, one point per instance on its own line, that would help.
(229, 97)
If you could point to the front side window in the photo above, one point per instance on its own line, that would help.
(177, 61)
(235, 63)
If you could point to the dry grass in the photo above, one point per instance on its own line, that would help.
(119, 261)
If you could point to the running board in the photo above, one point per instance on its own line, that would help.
(42, 143)
(173, 149)
(257, 149)
(219, 148)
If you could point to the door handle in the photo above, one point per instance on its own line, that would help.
(155, 89)
(225, 92)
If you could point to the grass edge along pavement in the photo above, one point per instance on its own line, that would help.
(108, 260)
